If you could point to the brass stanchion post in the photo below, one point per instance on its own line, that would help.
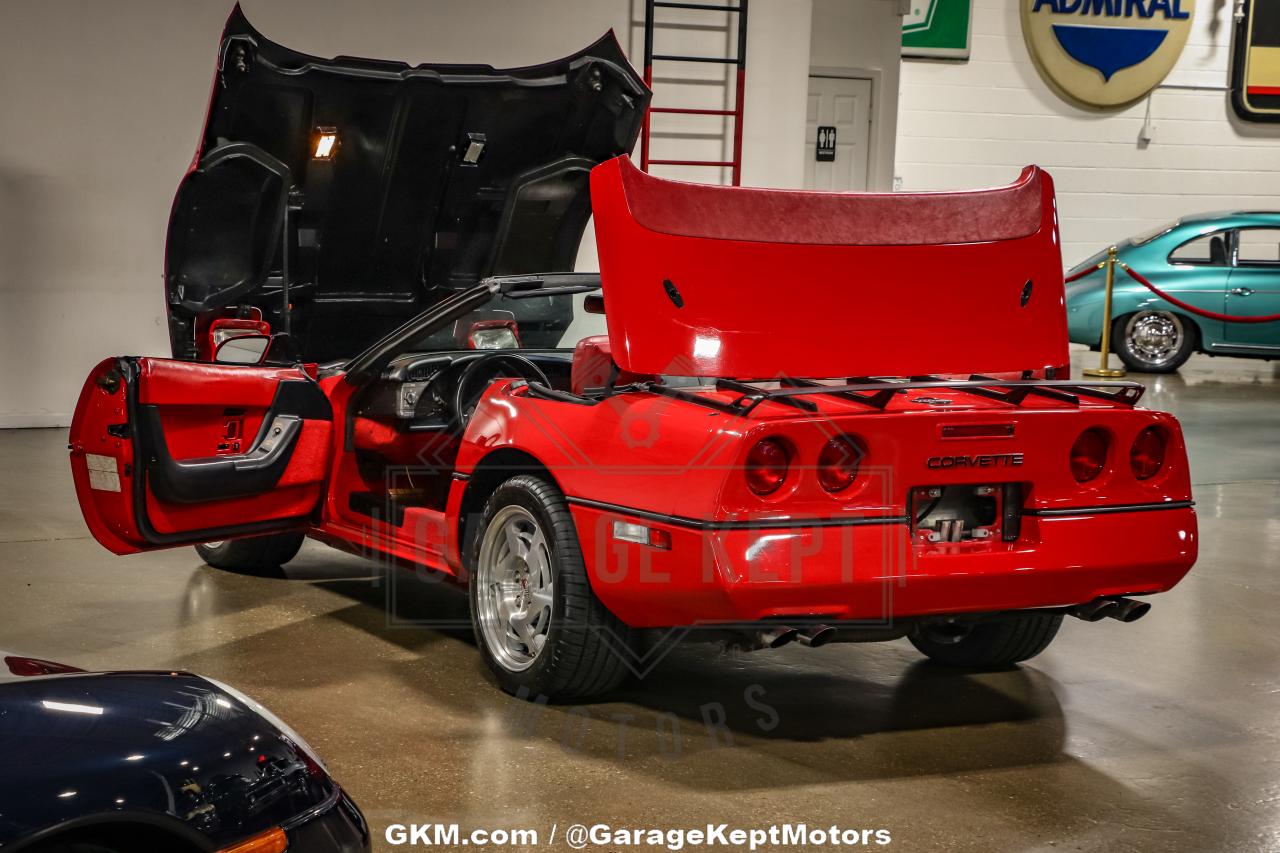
(1104, 372)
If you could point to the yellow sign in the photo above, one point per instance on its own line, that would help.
(1106, 53)
(1255, 71)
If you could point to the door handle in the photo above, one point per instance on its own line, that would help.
(1241, 291)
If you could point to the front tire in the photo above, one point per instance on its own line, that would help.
(258, 555)
(1154, 341)
(991, 644)
(540, 627)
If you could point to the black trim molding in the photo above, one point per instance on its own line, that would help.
(1057, 512)
(746, 524)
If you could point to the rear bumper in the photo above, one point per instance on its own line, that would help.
(874, 573)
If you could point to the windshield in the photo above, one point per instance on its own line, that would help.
(513, 321)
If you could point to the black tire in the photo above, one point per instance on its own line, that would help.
(254, 556)
(586, 649)
(990, 644)
(1125, 345)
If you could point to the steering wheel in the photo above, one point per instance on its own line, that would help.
(464, 400)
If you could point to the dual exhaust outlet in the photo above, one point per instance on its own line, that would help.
(812, 636)
(1124, 609)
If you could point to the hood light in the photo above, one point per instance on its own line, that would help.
(498, 338)
(326, 143)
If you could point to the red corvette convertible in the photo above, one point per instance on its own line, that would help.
(734, 426)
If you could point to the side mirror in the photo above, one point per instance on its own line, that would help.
(225, 328)
(242, 349)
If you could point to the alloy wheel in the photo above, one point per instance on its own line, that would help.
(515, 588)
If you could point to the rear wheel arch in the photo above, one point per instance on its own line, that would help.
(492, 471)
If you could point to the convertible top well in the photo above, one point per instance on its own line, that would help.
(753, 283)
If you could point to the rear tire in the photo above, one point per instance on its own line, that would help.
(991, 644)
(254, 556)
(538, 624)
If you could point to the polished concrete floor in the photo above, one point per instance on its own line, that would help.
(1160, 735)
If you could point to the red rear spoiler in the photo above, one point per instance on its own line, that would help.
(748, 283)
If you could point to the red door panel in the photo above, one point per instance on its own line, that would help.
(167, 453)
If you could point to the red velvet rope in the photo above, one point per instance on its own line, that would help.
(1212, 315)
(1083, 273)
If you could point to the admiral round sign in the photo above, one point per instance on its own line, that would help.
(1106, 53)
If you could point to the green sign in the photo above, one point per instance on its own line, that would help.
(937, 29)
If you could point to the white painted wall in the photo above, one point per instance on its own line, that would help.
(865, 36)
(977, 123)
(101, 106)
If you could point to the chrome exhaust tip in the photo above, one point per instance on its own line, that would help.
(1095, 610)
(816, 635)
(1129, 610)
(776, 638)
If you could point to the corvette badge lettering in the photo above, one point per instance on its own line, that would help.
(990, 460)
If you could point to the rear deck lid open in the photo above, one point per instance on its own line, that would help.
(752, 284)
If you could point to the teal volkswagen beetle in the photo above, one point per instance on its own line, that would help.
(1226, 263)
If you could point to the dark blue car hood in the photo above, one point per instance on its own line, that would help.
(166, 748)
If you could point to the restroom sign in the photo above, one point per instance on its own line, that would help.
(826, 152)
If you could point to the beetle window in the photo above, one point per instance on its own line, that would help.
(1208, 250)
(1258, 247)
(1147, 236)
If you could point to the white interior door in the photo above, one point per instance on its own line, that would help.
(845, 104)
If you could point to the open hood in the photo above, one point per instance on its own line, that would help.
(392, 186)
(755, 284)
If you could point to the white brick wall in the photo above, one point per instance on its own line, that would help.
(977, 123)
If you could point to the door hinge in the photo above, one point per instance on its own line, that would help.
(110, 381)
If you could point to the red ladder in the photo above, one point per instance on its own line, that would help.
(740, 10)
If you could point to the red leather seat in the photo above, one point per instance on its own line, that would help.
(593, 365)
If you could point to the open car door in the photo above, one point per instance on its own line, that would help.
(171, 453)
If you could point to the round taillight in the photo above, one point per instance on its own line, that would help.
(1089, 455)
(1146, 457)
(838, 464)
(766, 466)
